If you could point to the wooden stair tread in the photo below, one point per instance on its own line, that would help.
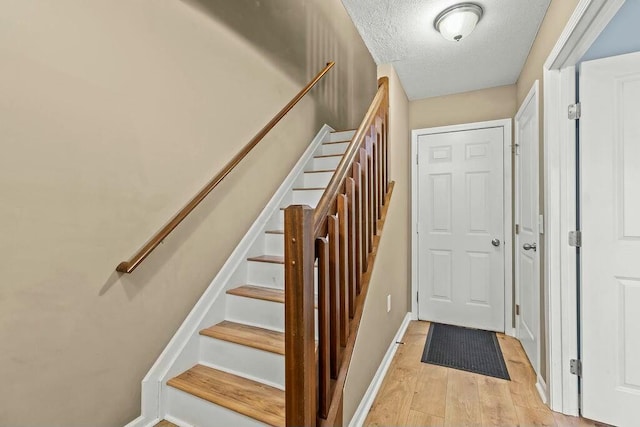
(274, 231)
(263, 293)
(251, 398)
(251, 336)
(165, 423)
(336, 142)
(328, 155)
(309, 189)
(321, 171)
(273, 259)
(346, 130)
(258, 292)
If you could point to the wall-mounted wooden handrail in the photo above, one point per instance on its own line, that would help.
(130, 265)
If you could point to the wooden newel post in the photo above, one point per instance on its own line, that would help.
(300, 362)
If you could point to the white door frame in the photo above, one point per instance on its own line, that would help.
(505, 124)
(585, 25)
(534, 97)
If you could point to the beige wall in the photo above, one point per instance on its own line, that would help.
(552, 26)
(391, 272)
(112, 115)
(476, 106)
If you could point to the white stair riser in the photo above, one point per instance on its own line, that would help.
(251, 311)
(339, 148)
(316, 180)
(193, 411)
(276, 222)
(265, 274)
(270, 275)
(342, 136)
(326, 163)
(307, 197)
(258, 365)
(274, 244)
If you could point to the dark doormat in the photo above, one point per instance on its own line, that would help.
(471, 350)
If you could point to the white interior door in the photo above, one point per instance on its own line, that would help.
(527, 267)
(610, 253)
(460, 213)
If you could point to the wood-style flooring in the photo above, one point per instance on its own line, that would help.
(420, 394)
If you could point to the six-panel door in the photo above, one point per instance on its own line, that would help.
(460, 228)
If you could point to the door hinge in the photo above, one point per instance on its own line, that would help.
(515, 149)
(575, 111)
(517, 228)
(575, 238)
(417, 159)
(517, 309)
(575, 367)
(418, 296)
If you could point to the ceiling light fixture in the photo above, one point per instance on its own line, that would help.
(458, 21)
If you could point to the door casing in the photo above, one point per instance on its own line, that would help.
(506, 126)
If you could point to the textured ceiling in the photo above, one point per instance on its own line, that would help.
(401, 32)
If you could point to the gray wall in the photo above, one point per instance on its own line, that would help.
(622, 34)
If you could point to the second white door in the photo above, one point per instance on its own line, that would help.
(460, 228)
(527, 267)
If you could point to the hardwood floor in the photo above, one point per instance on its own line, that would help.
(420, 394)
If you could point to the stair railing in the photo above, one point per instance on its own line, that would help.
(133, 262)
(342, 234)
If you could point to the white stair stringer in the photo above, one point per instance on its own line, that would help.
(304, 185)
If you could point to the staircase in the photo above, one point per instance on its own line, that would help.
(230, 370)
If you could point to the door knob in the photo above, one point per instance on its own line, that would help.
(495, 242)
(528, 247)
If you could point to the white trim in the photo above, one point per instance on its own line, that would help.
(143, 422)
(176, 421)
(587, 22)
(532, 96)
(505, 124)
(541, 386)
(370, 395)
(183, 345)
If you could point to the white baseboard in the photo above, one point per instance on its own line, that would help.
(142, 421)
(541, 386)
(371, 393)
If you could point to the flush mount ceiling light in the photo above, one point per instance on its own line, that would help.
(458, 21)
